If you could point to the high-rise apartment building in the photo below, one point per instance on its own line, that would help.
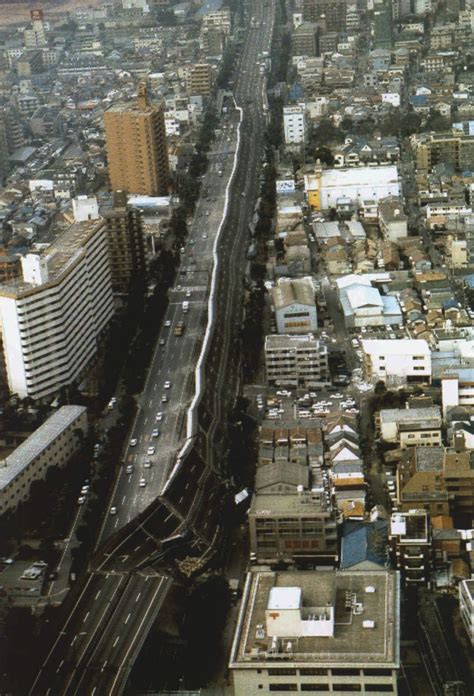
(4, 152)
(200, 80)
(294, 124)
(126, 242)
(34, 36)
(382, 25)
(330, 14)
(52, 318)
(136, 147)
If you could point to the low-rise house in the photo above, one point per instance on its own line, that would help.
(411, 426)
(364, 545)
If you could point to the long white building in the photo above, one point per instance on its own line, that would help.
(52, 444)
(326, 186)
(51, 319)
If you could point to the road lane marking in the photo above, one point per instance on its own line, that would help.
(104, 666)
(73, 641)
(126, 620)
(85, 617)
(116, 641)
(138, 597)
(97, 595)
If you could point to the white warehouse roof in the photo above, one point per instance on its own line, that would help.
(402, 346)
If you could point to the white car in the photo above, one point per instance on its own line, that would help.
(81, 500)
(150, 450)
(159, 416)
(167, 385)
(155, 432)
(113, 510)
(84, 490)
(147, 464)
(164, 399)
(133, 442)
(204, 236)
(142, 483)
(167, 322)
(129, 469)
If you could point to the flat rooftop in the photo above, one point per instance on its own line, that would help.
(66, 249)
(351, 644)
(294, 504)
(25, 453)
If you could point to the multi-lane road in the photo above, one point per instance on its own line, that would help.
(174, 359)
(122, 594)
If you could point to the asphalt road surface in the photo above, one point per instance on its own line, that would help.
(108, 622)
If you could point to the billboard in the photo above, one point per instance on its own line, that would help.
(285, 186)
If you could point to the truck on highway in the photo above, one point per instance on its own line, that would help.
(179, 328)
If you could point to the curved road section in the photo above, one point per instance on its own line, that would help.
(191, 385)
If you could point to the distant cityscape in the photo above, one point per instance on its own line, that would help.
(237, 347)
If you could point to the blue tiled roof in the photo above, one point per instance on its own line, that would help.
(362, 542)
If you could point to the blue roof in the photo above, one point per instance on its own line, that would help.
(450, 302)
(364, 542)
(469, 280)
(419, 100)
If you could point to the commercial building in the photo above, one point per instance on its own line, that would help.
(466, 606)
(293, 527)
(397, 361)
(357, 184)
(295, 306)
(200, 80)
(410, 545)
(294, 124)
(411, 426)
(330, 631)
(52, 444)
(296, 360)
(136, 147)
(126, 242)
(52, 318)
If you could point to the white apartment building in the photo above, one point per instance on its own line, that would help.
(51, 319)
(397, 361)
(294, 124)
(332, 631)
(466, 606)
(296, 360)
(52, 444)
(295, 306)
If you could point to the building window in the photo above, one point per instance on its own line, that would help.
(283, 687)
(314, 687)
(346, 672)
(350, 688)
(282, 671)
(313, 672)
(386, 688)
